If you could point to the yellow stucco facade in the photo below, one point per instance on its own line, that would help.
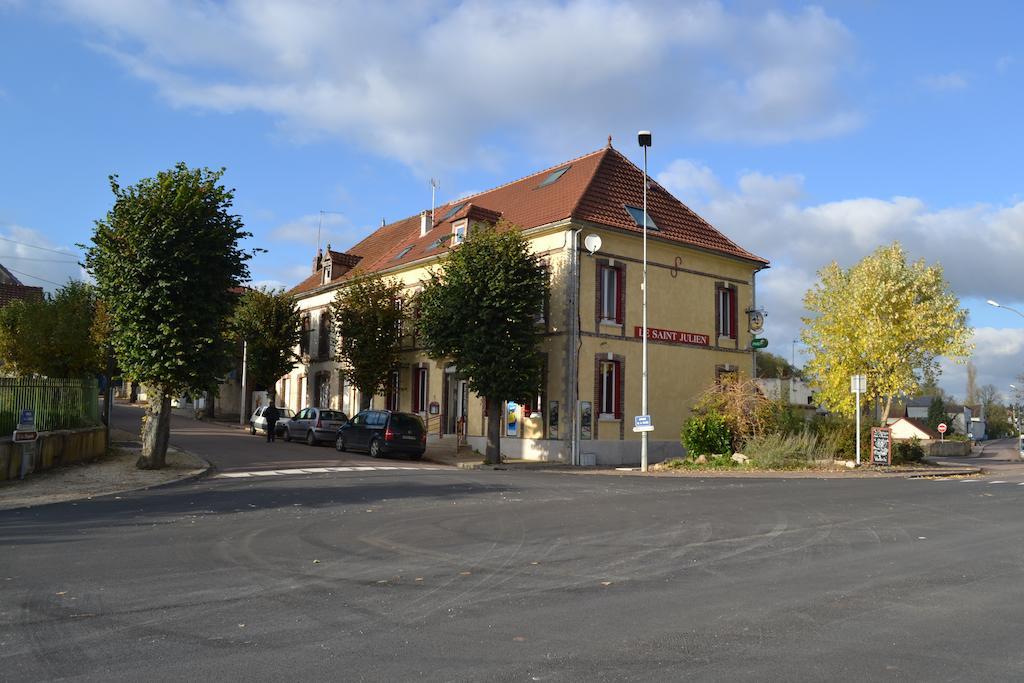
(685, 286)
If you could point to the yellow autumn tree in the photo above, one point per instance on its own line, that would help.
(884, 318)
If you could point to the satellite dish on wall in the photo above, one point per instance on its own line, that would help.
(592, 243)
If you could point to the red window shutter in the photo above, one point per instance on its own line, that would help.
(617, 384)
(416, 390)
(620, 296)
(732, 313)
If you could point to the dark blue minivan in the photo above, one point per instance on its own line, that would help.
(383, 432)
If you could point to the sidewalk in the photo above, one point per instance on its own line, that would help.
(112, 474)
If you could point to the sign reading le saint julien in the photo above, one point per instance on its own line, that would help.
(674, 336)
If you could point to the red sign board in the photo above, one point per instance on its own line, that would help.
(673, 336)
(942, 428)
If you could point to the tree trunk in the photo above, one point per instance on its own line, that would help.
(492, 456)
(156, 432)
(888, 407)
(211, 406)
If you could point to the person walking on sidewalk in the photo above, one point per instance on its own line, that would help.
(271, 415)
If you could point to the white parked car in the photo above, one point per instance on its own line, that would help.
(257, 423)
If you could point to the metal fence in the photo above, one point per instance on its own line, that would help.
(58, 403)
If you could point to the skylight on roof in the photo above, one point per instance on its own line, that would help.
(554, 175)
(452, 211)
(404, 252)
(638, 216)
(439, 241)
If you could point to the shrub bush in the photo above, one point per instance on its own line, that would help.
(904, 452)
(707, 435)
(784, 452)
(837, 436)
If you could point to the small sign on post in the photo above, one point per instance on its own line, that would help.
(26, 420)
(881, 446)
(858, 386)
(942, 431)
(642, 423)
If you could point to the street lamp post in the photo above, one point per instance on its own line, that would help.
(1009, 308)
(644, 138)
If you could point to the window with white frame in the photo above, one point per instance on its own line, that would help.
(459, 232)
(609, 397)
(726, 310)
(610, 296)
(419, 390)
(393, 386)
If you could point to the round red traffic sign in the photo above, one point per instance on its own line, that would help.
(942, 428)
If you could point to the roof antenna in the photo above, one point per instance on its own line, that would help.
(320, 226)
(434, 184)
(609, 142)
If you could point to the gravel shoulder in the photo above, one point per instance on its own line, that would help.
(112, 474)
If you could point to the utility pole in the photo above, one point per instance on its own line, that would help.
(644, 138)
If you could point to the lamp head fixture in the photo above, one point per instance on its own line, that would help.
(644, 138)
(993, 303)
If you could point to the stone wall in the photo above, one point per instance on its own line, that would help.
(54, 449)
(946, 448)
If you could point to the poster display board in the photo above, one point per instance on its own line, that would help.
(881, 446)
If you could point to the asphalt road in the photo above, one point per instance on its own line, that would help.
(232, 449)
(447, 574)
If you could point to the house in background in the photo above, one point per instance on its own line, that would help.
(701, 284)
(792, 390)
(11, 289)
(962, 419)
(907, 428)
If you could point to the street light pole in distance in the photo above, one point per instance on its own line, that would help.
(644, 138)
(1009, 308)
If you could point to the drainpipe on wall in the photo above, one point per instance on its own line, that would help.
(574, 318)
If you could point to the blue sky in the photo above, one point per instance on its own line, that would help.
(805, 132)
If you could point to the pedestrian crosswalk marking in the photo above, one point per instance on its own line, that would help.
(325, 470)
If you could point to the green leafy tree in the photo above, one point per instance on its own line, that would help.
(366, 318)
(269, 322)
(885, 318)
(481, 310)
(166, 258)
(770, 365)
(937, 413)
(60, 336)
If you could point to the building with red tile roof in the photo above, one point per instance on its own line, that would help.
(11, 289)
(706, 281)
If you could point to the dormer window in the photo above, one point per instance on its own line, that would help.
(459, 231)
(325, 276)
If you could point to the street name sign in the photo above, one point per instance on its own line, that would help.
(643, 423)
(25, 436)
(26, 420)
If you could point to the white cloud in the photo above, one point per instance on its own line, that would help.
(36, 261)
(954, 80)
(428, 82)
(980, 247)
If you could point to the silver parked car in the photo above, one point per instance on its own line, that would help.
(258, 423)
(314, 425)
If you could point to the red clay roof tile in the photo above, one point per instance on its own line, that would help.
(595, 187)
